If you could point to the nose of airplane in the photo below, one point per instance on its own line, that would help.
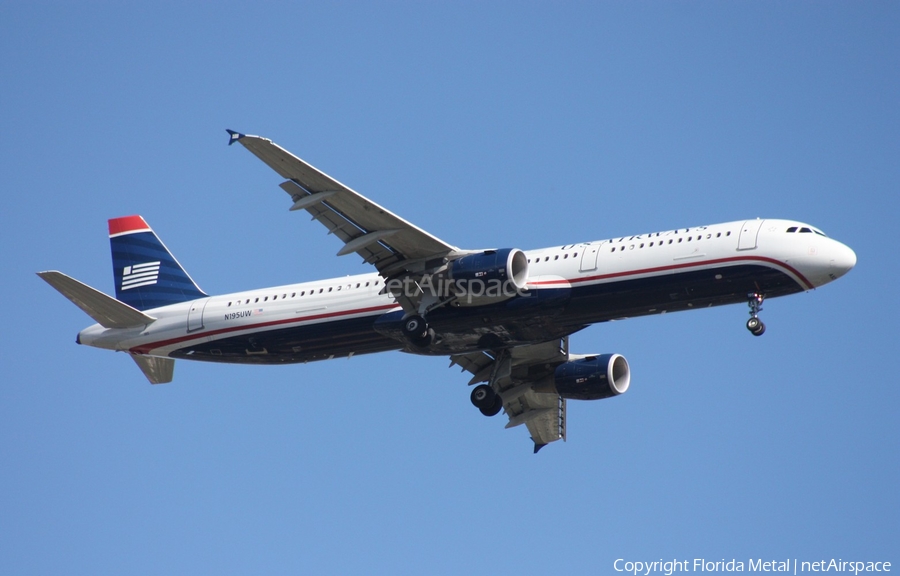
(842, 260)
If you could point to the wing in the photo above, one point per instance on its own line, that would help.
(522, 376)
(394, 246)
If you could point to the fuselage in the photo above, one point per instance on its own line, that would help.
(569, 287)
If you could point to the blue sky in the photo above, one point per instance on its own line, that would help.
(519, 124)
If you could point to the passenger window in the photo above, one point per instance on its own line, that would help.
(556, 257)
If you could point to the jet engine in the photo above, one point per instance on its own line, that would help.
(593, 377)
(492, 274)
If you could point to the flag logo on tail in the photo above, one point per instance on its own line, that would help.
(145, 274)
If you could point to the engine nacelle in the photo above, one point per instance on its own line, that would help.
(492, 272)
(593, 377)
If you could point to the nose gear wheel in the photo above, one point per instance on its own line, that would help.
(754, 324)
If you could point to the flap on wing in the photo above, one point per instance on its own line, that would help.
(550, 428)
(518, 375)
(379, 236)
(544, 415)
(478, 363)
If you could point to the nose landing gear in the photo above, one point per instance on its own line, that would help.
(754, 324)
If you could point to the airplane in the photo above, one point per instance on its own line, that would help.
(504, 315)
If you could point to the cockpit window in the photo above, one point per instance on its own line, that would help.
(806, 230)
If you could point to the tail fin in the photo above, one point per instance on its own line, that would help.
(145, 273)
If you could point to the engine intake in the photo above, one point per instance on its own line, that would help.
(593, 377)
(507, 265)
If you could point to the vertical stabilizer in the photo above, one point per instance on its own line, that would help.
(145, 273)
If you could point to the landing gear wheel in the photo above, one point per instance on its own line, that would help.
(486, 400)
(482, 397)
(415, 327)
(756, 327)
(423, 341)
(495, 408)
(754, 324)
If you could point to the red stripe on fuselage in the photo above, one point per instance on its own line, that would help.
(808, 284)
(146, 348)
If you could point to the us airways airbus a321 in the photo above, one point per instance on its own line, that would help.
(505, 315)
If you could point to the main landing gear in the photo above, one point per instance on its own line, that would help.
(485, 399)
(416, 330)
(754, 324)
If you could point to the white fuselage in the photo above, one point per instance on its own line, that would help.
(806, 256)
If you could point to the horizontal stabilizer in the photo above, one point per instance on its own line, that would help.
(157, 370)
(105, 310)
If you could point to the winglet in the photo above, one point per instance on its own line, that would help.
(235, 136)
(537, 447)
